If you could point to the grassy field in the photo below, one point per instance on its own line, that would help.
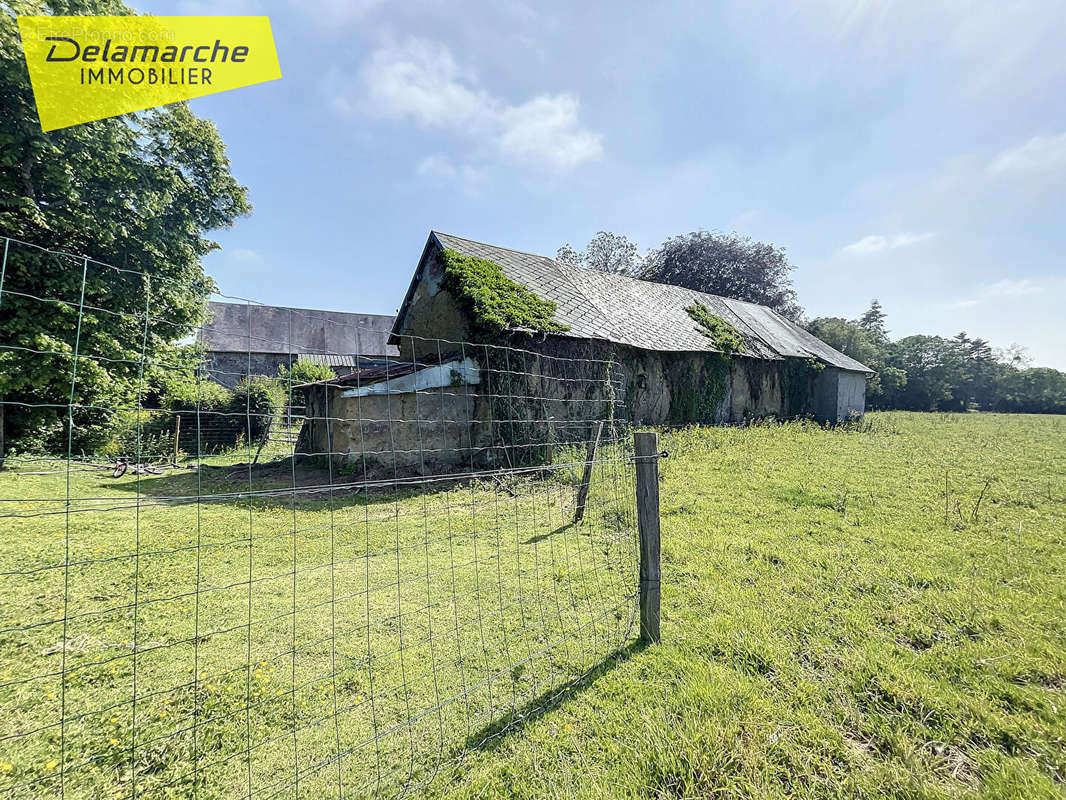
(870, 611)
(315, 643)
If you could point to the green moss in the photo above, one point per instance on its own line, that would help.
(724, 336)
(493, 301)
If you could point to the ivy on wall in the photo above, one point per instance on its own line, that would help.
(797, 383)
(723, 335)
(494, 302)
(700, 393)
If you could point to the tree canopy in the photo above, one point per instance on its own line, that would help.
(725, 264)
(138, 192)
(729, 265)
(606, 252)
(935, 373)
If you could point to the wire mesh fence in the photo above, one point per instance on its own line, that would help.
(291, 587)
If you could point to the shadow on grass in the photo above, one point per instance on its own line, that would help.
(540, 537)
(274, 484)
(492, 735)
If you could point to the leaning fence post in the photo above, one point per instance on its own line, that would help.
(646, 450)
(586, 478)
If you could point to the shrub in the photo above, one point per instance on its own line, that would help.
(302, 372)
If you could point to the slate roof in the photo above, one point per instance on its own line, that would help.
(642, 314)
(249, 327)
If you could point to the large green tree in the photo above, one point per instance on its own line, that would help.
(729, 265)
(137, 192)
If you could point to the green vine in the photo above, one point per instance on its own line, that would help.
(724, 336)
(797, 383)
(699, 395)
(493, 301)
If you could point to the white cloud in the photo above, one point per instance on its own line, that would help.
(420, 80)
(1001, 289)
(244, 255)
(877, 243)
(1039, 154)
(441, 169)
(545, 130)
(437, 166)
(1010, 287)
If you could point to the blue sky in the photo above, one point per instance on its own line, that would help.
(914, 152)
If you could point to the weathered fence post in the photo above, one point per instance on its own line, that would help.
(586, 478)
(646, 449)
(177, 437)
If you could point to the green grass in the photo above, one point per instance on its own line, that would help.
(356, 642)
(877, 610)
(828, 629)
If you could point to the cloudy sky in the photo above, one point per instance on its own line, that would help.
(909, 151)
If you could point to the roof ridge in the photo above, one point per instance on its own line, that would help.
(641, 313)
(592, 271)
(490, 244)
(245, 304)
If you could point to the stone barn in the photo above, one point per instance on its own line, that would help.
(588, 347)
(689, 356)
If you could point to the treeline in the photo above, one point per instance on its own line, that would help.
(934, 373)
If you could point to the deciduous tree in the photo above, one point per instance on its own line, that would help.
(729, 265)
(138, 192)
(607, 252)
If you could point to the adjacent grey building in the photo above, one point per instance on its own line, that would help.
(246, 338)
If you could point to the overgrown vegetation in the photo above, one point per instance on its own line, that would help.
(797, 384)
(700, 393)
(495, 303)
(300, 373)
(724, 336)
(213, 419)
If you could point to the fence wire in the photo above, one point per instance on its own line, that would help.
(285, 589)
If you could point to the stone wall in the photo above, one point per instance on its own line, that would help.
(412, 433)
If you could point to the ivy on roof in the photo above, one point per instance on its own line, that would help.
(723, 335)
(495, 302)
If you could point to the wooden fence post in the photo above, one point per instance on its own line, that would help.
(177, 437)
(586, 478)
(646, 449)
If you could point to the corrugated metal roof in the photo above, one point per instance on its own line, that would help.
(386, 370)
(331, 359)
(651, 316)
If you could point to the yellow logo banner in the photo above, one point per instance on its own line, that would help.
(86, 68)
